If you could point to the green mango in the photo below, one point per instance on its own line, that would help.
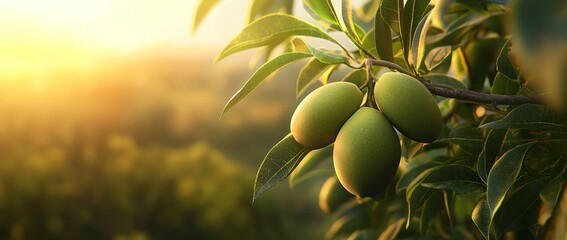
(319, 117)
(481, 58)
(409, 106)
(367, 153)
(332, 195)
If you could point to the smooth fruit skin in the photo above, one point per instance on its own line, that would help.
(319, 117)
(332, 195)
(409, 106)
(481, 56)
(367, 153)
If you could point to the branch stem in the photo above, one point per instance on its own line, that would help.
(369, 84)
(462, 94)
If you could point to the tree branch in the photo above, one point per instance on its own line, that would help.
(463, 94)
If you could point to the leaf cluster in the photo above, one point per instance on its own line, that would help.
(496, 171)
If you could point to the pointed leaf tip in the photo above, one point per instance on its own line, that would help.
(504, 174)
(271, 29)
(278, 164)
(261, 74)
(203, 8)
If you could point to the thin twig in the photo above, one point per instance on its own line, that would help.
(463, 94)
(391, 66)
(492, 99)
(370, 84)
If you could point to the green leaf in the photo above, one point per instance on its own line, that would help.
(278, 164)
(324, 79)
(392, 230)
(328, 56)
(203, 9)
(503, 175)
(259, 8)
(550, 194)
(463, 142)
(412, 173)
(457, 178)
(445, 80)
(520, 210)
(490, 151)
(323, 9)
(358, 208)
(310, 162)
(474, 4)
(369, 42)
(504, 64)
(383, 37)
(413, 12)
(269, 29)
(347, 224)
(416, 195)
(367, 12)
(436, 56)
(314, 174)
(310, 73)
(346, 16)
(357, 77)
(261, 74)
(432, 207)
(390, 10)
(529, 116)
(439, 13)
(461, 25)
(298, 45)
(417, 46)
(364, 234)
(504, 85)
(458, 64)
(481, 217)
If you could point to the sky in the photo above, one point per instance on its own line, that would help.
(122, 25)
(39, 34)
(43, 33)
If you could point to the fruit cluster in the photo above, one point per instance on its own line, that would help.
(366, 151)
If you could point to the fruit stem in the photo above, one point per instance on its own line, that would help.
(462, 94)
(370, 81)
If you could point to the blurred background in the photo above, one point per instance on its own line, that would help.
(109, 126)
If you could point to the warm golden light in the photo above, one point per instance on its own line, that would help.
(480, 111)
(39, 34)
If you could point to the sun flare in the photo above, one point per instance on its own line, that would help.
(42, 34)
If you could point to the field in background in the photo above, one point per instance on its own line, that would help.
(132, 148)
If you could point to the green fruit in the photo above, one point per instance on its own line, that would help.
(367, 153)
(409, 106)
(319, 117)
(332, 195)
(481, 56)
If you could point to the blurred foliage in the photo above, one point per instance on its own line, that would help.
(124, 190)
(131, 148)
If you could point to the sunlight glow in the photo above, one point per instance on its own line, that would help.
(43, 33)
